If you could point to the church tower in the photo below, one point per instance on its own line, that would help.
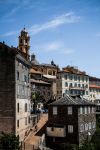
(24, 46)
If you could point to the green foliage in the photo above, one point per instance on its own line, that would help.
(9, 142)
(37, 97)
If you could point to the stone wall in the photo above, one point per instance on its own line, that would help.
(7, 89)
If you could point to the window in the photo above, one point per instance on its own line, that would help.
(20, 40)
(75, 85)
(54, 110)
(69, 110)
(75, 78)
(25, 120)
(86, 92)
(81, 110)
(49, 72)
(25, 107)
(54, 73)
(70, 128)
(83, 79)
(79, 78)
(25, 78)
(70, 85)
(86, 85)
(78, 85)
(93, 125)
(92, 109)
(82, 85)
(86, 126)
(71, 77)
(66, 84)
(85, 110)
(65, 76)
(81, 128)
(17, 123)
(26, 40)
(90, 126)
(66, 91)
(17, 75)
(89, 110)
(52, 129)
(17, 107)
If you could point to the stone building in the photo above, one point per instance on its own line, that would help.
(48, 72)
(94, 88)
(15, 88)
(71, 120)
(24, 44)
(41, 85)
(72, 81)
(14, 92)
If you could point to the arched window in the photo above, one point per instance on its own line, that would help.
(49, 72)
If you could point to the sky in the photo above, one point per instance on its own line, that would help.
(65, 31)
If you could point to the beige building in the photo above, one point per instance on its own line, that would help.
(48, 71)
(72, 81)
(94, 88)
(41, 85)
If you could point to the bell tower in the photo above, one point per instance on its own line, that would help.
(24, 45)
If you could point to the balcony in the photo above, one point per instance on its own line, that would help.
(77, 88)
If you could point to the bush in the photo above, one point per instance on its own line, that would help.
(9, 142)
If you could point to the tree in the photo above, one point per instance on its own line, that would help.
(36, 98)
(9, 142)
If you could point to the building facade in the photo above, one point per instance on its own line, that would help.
(14, 92)
(94, 88)
(41, 85)
(73, 82)
(48, 71)
(70, 121)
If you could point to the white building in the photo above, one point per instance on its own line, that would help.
(94, 88)
(72, 81)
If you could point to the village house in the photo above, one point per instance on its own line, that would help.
(71, 120)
